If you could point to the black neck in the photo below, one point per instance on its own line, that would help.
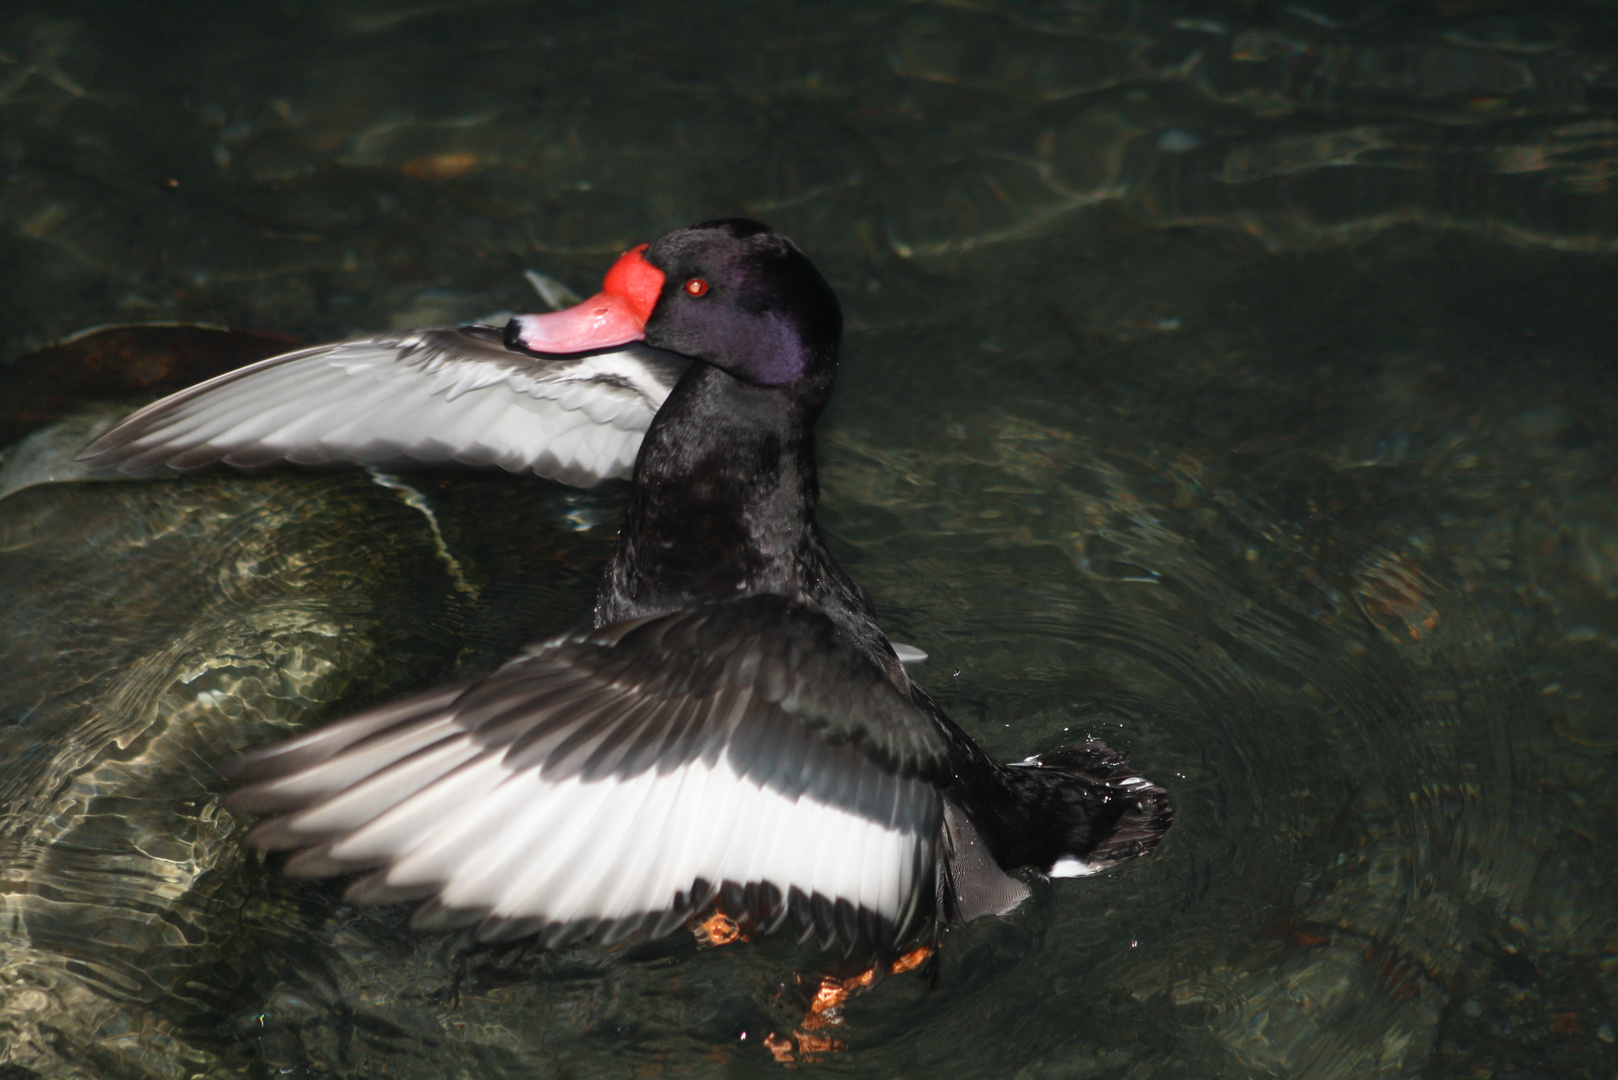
(723, 501)
(723, 506)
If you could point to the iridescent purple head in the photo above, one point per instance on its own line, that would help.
(742, 297)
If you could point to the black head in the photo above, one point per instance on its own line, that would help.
(742, 297)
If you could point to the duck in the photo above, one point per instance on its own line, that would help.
(731, 731)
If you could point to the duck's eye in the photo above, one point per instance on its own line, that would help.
(696, 287)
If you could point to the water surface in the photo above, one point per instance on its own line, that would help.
(1231, 382)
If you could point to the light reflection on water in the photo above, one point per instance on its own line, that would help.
(1234, 387)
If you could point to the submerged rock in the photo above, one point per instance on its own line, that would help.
(147, 631)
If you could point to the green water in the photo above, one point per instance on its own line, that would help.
(1233, 382)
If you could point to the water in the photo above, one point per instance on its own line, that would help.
(1230, 382)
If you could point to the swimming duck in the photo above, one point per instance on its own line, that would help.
(733, 731)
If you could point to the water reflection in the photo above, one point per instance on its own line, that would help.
(1231, 383)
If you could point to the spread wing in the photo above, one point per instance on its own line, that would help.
(446, 394)
(738, 755)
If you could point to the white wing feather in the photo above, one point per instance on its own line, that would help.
(515, 845)
(621, 779)
(437, 395)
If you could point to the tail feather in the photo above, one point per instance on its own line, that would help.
(1072, 811)
(1129, 813)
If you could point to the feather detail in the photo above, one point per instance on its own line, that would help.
(615, 780)
(438, 395)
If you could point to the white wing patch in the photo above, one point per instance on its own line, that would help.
(448, 817)
(436, 395)
(624, 779)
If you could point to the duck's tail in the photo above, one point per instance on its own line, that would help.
(1111, 813)
(1073, 811)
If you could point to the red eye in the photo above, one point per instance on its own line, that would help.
(696, 286)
